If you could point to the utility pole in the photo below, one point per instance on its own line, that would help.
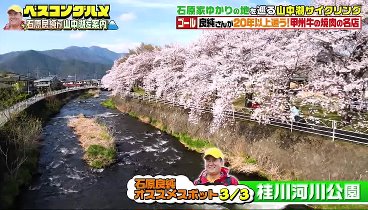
(38, 72)
(28, 80)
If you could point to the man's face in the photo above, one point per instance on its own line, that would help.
(213, 165)
(15, 18)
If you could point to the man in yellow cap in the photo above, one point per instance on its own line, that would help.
(15, 18)
(215, 173)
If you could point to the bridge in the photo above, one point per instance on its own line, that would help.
(6, 114)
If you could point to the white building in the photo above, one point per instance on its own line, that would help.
(47, 83)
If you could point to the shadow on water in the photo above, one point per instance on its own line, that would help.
(64, 180)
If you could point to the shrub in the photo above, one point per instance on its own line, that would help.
(109, 103)
(98, 156)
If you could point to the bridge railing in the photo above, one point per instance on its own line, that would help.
(327, 130)
(6, 114)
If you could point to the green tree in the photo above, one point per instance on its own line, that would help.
(11, 96)
(138, 50)
(142, 48)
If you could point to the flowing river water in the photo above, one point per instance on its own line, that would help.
(64, 180)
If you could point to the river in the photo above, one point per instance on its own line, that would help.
(63, 179)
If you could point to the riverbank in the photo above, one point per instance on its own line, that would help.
(90, 93)
(18, 155)
(194, 144)
(19, 142)
(252, 148)
(108, 103)
(96, 141)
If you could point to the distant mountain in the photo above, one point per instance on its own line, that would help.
(85, 62)
(10, 55)
(88, 54)
(39, 65)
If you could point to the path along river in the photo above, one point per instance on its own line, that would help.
(64, 180)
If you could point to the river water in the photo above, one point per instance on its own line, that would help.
(64, 180)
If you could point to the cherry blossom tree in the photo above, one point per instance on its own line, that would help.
(221, 66)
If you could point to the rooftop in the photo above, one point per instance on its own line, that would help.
(46, 79)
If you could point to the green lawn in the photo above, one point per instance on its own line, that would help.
(318, 112)
(109, 103)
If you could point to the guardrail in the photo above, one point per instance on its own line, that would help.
(6, 114)
(321, 130)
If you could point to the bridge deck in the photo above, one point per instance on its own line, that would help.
(6, 114)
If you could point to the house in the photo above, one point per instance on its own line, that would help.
(19, 82)
(48, 83)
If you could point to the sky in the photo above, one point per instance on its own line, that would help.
(148, 21)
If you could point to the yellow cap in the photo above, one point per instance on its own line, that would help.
(15, 8)
(215, 152)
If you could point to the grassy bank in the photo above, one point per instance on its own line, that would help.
(96, 140)
(108, 103)
(86, 95)
(195, 144)
(89, 94)
(18, 155)
(13, 184)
